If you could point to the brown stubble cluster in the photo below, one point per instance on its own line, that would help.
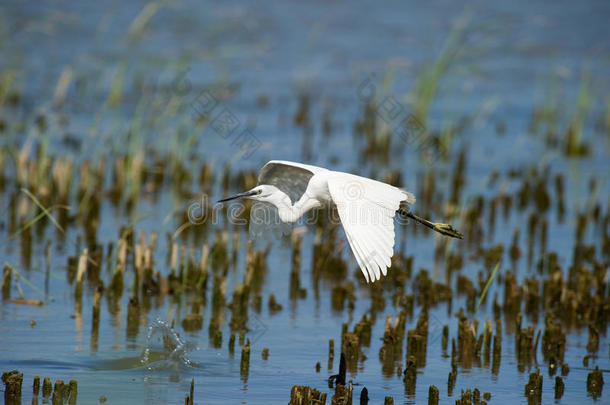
(536, 298)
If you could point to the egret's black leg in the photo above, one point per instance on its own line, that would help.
(439, 227)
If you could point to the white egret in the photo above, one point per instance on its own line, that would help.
(366, 207)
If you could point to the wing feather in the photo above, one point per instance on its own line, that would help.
(371, 259)
(365, 265)
(366, 208)
(378, 251)
(368, 275)
(290, 177)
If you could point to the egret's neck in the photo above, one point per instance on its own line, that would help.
(291, 213)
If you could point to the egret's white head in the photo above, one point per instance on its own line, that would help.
(263, 192)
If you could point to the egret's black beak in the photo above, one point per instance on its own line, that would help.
(240, 195)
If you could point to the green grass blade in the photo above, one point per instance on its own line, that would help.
(18, 276)
(42, 207)
(29, 224)
(491, 278)
(35, 219)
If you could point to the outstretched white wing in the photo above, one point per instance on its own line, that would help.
(367, 208)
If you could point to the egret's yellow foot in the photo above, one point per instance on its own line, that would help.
(447, 229)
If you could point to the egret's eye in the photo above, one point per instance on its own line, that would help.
(259, 192)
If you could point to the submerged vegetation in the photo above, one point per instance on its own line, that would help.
(53, 198)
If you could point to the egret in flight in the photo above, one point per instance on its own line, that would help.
(366, 207)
